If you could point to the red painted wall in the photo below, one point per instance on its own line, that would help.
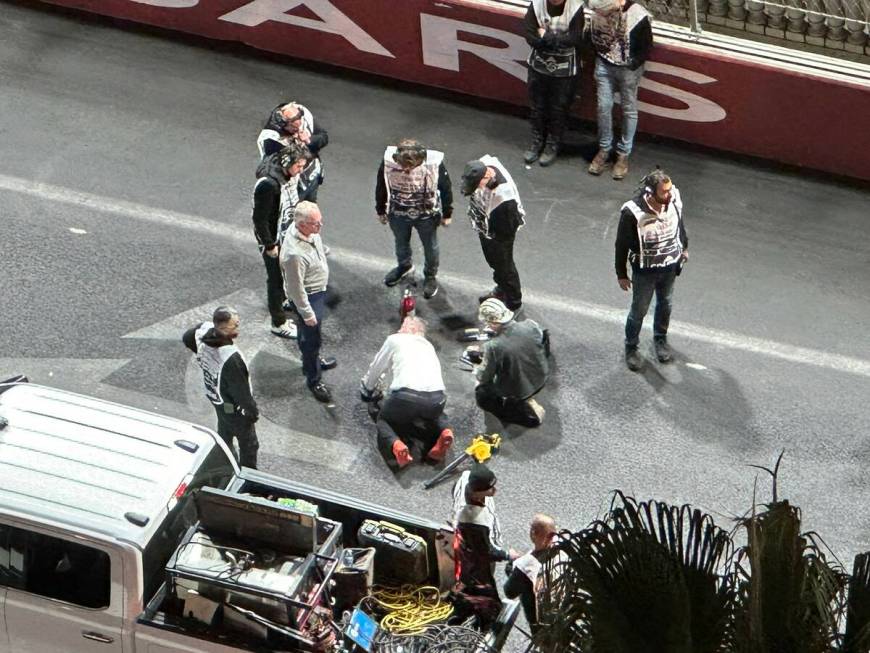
(688, 93)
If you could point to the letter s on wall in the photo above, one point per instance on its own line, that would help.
(698, 109)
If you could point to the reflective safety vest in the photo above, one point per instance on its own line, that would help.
(484, 201)
(211, 360)
(658, 236)
(413, 194)
(555, 62)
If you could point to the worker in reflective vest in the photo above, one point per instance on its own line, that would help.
(227, 382)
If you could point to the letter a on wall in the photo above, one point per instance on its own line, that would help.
(332, 21)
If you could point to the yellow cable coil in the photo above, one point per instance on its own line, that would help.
(410, 609)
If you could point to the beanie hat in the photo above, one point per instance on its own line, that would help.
(493, 310)
(480, 478)
(601, 5)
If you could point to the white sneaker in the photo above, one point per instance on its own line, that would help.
(286, 330)
(537, 409)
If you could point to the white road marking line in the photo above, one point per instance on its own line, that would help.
(717, 337)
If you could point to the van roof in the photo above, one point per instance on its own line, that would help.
(87, 463)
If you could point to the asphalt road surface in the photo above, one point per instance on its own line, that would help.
(126, 167)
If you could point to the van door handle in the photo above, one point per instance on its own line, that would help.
(97, 637)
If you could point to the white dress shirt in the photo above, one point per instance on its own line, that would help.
(410, 362)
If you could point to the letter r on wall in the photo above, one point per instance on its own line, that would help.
(441, 45)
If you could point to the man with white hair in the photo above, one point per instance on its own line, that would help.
(414, 407)
(622, 38)
(306, 275)
(514, 366)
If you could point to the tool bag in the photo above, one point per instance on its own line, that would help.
(400, 557)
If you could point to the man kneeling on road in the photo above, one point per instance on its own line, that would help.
(514, 366)
(227, 382)
(414, 407)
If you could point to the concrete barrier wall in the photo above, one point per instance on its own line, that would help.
(690, 93)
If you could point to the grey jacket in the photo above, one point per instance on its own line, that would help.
(305, 269)
(515, 362)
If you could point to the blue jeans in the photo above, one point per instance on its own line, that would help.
(643, 285)
(427, 230)
(610, 79)
(309, 339)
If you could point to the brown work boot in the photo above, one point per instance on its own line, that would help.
(620, 168)
(402, 454)
(445, 441)
(599, 163)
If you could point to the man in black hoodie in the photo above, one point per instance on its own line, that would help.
(290, 122)
(227, 382)
(275, 199)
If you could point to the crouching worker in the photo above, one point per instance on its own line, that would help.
(514, 366)
(477, 545)
(412, 415)
(227, 382)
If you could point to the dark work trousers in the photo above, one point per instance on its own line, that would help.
(427, 230)
(499, 254)
(643, 286)
(234, 425)
(309, 339)
(507, 409)
(550, 100)
(408, 415)
(274, 289)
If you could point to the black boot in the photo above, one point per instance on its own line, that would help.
(548, 156)
(535, 147)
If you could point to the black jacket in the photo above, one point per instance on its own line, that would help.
(267, 200)
(519, 585)
(445, 190)
(640, 40)
(504, 220)
(235, 382)
(627, 242)
(574, 35)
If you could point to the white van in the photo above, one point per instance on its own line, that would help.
(96, 499)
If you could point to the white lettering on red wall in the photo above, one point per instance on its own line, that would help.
(442, 45)
(698, 109)
(332, 21)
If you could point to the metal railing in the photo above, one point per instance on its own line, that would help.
(837, 26)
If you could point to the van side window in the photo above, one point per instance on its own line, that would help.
(11, 560)
(56, 568)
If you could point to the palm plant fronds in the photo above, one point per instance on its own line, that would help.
(644, 578)
(790, 596)
(857, 636)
